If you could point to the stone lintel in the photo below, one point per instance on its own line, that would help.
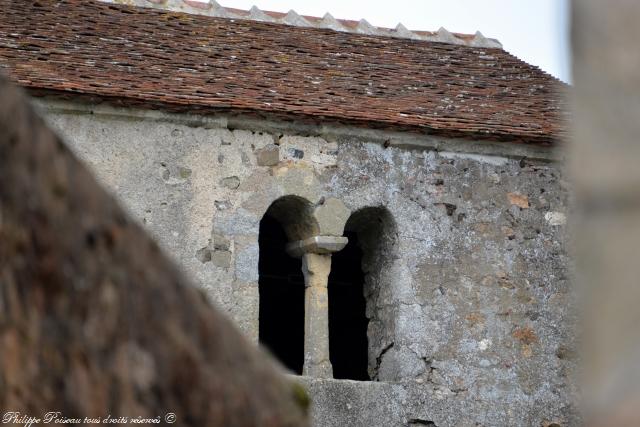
(317, 245)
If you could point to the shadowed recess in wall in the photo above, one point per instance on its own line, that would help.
(281, 284)
(347, 313)
(371, 250)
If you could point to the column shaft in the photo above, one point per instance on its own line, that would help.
(316, 269)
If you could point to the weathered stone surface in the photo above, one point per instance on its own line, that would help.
(555, 218)
(268, 156)
(316, 269)
(94, 320)
(221, 258)
(518, 200)
(231, 182)
(363, 404)
(332, 215)
(299, 180)
(221, 243)
(316, 245)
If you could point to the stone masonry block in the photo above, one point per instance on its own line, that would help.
(268, 156)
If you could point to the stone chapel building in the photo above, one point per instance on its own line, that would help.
(383, 209)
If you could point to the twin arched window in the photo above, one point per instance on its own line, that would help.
(352, 288)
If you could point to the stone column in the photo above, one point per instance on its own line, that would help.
(316, 266)
(316, 269)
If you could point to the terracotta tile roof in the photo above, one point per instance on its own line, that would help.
(183, 62)
(213, 8)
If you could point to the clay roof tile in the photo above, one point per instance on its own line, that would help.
(176, 61)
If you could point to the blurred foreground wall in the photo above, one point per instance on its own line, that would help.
(95, 322)
(605, 155)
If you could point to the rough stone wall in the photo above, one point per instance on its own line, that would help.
(473, 319)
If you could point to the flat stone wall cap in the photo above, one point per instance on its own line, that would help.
(317, 245)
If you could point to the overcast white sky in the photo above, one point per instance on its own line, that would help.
(535, 31)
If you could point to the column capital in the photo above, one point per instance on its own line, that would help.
(317, 245)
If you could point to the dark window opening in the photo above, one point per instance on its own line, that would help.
(281, 287)
(348, 322)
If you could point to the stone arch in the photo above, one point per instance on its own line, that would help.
(376, 230)
(372, 237)
(281, 282)
(295, 215)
